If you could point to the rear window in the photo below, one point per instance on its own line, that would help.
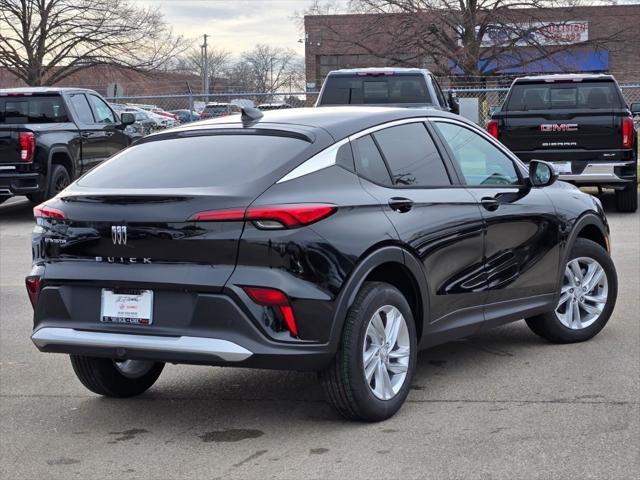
(207, 161)
(538, 96)
(32, 109)
(378, 89)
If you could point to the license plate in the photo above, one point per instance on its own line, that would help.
(562, 167)
(134, 307)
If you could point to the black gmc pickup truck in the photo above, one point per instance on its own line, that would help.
(50, 136)
(578, 122)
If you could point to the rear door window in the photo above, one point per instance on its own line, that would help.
(369, 162)
(374, 89)
(32, 109)
(551, 96)
(412, 156)
(82, 108)
(204, 161)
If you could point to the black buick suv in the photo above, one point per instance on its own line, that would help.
(340, 240)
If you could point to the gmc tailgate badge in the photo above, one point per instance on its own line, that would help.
(559, 127)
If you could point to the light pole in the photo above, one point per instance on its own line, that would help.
(205, 69)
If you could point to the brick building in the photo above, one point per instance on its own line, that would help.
(133, 82)
(331, 42)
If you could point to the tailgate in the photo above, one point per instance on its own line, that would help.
(157, 243)
(585, 130)
(9, 146)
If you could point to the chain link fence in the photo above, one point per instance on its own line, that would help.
(154, 112)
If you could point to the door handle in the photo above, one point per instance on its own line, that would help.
(109, 134)
(489, 203)
(401, 204)
(85, 134)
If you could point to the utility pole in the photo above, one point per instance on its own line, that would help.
(205, 69)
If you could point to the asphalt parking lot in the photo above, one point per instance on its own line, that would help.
(503, 404)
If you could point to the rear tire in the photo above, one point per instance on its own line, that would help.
(390, 358)
(58, 179)
(552, 326)
(104, 377)
(627, 199)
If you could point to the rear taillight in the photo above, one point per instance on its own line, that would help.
(27, 146)
(270, 297)
(33, 288)
(627, 132)
(43, 211)
(270, 217)
(492, 128)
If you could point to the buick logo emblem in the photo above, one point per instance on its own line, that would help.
(119, 234)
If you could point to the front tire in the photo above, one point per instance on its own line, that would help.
(627, 199)
(370, 376)
(107, 377)
(587, 296)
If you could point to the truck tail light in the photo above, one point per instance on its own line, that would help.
(492, 128)
(271, 217)
(43, 211)
(27, 146)
(627, 132)
(270, 297)
(33, 288)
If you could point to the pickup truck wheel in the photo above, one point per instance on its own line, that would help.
(59, 179)
(115, 379)
(627, 199)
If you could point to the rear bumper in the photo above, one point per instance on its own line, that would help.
(18, 183)
(188, 327)
(54, 337)
(613, 173)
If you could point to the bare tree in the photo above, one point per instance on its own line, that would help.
(271, 68)
(44, 41)
(473, 37)
(219, 63)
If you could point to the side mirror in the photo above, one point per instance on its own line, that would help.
(541, 174)
(127, 118)
(454, 106)
(635, 108)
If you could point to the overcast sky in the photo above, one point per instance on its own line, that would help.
(236, 25)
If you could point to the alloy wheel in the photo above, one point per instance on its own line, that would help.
(584, 293)
(385, 353)
(133, 368)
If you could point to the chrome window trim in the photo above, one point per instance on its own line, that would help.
(383, 126)
(327, 157)
(321, 160)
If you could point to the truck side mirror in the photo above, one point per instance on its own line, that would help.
(635, 108)
(454, 106)
(541, 173)
(127, 118)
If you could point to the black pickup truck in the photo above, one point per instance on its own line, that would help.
(580, 123)
(50, 136)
